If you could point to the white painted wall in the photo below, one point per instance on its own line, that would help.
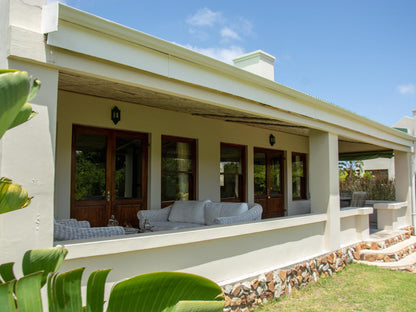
(28, 159)
(79, 109)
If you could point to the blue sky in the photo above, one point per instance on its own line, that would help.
(357, 54)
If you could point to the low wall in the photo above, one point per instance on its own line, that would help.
(224, 254)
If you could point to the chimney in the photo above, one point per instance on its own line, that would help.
(257, 62)
(414, 113)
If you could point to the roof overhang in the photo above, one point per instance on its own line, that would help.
(131, 66)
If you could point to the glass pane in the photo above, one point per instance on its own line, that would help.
(231, 159)
(128, 177)
(297, 174)
(175, 186)
(90, 167)
(260, 174)
(230, 186)
(176, 156)
(275, 172)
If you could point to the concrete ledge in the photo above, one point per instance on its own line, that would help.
(145, 241)
(391, 216)
(390, 206)
(355, 211)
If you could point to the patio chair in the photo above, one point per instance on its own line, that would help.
(358, 199)
(69, 229)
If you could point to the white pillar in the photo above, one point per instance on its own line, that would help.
(324, 183)
(404, 181)
(28, 157)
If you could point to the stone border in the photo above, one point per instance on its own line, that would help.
(246, 295)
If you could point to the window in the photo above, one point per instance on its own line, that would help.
(299, 176)
(178, 169)
(232, 172)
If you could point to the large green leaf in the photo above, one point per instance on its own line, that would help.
(199, 306)
(64, 291)
(7, 302)
(160, 291)
(6, 272)
(95, 290)
(12, 196)
(46, 260)
(28, 293)
(14, 90)
(26, 113)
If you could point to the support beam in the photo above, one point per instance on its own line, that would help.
(324, 183)
(404, 181)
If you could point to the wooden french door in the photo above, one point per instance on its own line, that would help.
(109, 175)
(268, 182)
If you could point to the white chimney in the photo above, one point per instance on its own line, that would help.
(257, 62)
(414, 113)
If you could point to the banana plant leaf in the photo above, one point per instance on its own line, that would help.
(14, 90)
(46, 260)
(160, 292)
(12, 196)
(95, 290)
(6, 272)
(28, 293)
(199, 306)
(64, 291)
(7, 302)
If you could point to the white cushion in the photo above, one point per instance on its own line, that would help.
(188, 211)
(215, 210)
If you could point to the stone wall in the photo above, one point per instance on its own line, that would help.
(245, 295)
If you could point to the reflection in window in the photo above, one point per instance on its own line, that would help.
(178, 169)
(298, 176)
(90, 166)
(260, 187)
(232, 172)
(128, 175)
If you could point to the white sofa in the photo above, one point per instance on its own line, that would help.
(194, 213)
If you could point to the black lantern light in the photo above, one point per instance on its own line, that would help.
(272, 139)
(115, 115)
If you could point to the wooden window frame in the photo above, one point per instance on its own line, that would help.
(192, 193)
(303, 180)
(242, 177)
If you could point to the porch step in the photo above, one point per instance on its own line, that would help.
(408, 263)
(395, 252)
(385, 239)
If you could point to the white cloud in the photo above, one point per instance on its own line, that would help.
(407, 89)
(205, 17)
(228, 33)
(223, 54)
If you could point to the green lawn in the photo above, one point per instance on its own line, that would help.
(357, 288)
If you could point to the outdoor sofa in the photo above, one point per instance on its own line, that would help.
(194, 213)
(68, 229)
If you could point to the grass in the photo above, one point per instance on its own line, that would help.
(357, 288)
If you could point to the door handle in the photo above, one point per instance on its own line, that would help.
(108, 196)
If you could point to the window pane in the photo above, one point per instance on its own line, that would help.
(176, 186)
(260, 174)
(231, 159)
(230, 186)
(128, 178)
(176, 156)
(275, 172)
(90, 170)
(298, 176)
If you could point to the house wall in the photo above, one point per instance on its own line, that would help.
(86, 110)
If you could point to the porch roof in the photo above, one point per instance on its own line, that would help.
(131, 66)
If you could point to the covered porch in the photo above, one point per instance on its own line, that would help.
(167, 94)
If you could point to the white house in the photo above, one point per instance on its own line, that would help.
(173, 104)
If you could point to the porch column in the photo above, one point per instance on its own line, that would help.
(28, 157)
(404, 181)
(324, 183)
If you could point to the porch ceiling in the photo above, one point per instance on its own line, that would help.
(102, 88)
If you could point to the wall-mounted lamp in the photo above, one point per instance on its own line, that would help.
(272, 139)
(115, 115)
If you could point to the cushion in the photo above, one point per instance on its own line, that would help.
(167, 225)
(215, 210)
(188, 211)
